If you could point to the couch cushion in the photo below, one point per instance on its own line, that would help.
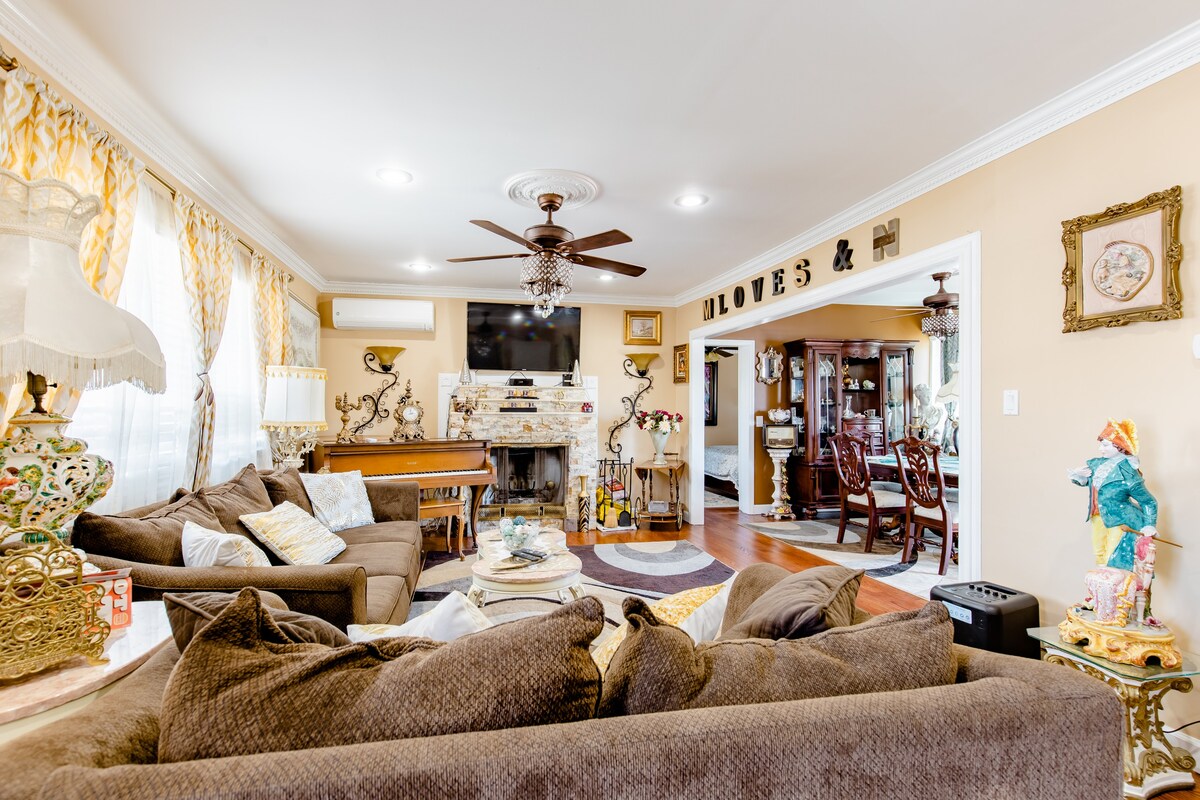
(659, 668)
(532, 671)
(284, 486)
(388, 600)
(808, 602)
(156, 538)
(406, 531)
(378, 558)
(244, 493)
(191, 612)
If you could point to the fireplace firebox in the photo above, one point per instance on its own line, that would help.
(531, 482)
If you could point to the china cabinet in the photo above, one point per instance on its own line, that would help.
(859, 385)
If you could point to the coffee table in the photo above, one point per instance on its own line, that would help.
(557, 575)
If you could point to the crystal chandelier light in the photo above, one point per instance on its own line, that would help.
(546, 278)
(941, 323)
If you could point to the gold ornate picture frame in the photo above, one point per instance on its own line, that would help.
(1123, 264)
(681, 363)
(643, 327)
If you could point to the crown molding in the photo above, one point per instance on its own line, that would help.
(473, 293)
(1160, 60)
(56, 50)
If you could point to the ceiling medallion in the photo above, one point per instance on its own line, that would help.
(575, 188)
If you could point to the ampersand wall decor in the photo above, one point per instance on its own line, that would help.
(841, 259)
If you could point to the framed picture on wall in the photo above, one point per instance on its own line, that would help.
(643, 327)
(1123, 264)
(306, 334)
(710, 393)
(681, 363)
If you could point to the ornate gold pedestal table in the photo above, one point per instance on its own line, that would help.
(1152, 764)
(557, 575)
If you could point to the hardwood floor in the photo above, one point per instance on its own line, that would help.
(724, 537)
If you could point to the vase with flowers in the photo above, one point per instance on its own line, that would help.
(660, 425)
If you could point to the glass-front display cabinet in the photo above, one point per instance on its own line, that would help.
(861, 385)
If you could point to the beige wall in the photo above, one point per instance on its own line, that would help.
(829, 322)
(726, 429)
(1034, 535)
(602, 352)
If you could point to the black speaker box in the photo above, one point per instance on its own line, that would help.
(991, 617)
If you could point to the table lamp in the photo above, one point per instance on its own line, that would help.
(55, 329)
(294, 412)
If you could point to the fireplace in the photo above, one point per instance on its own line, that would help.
(531, 481)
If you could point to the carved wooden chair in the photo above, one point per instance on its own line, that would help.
(859, 497)
(927, 506)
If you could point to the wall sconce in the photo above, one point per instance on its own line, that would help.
(378, 360)
(642, 361)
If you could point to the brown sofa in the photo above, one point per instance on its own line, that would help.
(371, 581)
(1009, 728)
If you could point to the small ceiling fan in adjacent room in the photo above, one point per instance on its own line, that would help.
(717, 353)
(548, 269)
(940, 310)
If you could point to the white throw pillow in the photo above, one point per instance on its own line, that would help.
(704, 624)
(294, 535)
(207, 548)
(453, 617)
(339, 499)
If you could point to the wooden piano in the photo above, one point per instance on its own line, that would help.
(432, 463)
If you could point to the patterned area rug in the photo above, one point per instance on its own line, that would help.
(883, 563)
(714, 500)
(611, 572)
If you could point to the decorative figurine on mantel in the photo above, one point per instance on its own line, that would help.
(1115, 617)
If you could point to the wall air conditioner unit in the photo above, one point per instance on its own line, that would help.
(370, 313)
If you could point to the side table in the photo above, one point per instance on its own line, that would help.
(1152, 763)
(641, 506)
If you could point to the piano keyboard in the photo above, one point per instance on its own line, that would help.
(435, 474)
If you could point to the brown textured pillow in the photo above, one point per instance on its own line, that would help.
(284, 486)
(192, 612)
(533, 671)
(800, 605)
(156, 538)
(244, 493)
(658, 668)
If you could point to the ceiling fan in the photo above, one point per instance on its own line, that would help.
(940, 310)
(714, 353)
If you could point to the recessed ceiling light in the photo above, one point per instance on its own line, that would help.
(393, 176)
(606, 276)
(420, 266)
(691, 200)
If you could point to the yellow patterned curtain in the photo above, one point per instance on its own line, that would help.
(206, 249)
(274, 324)
(43, 136)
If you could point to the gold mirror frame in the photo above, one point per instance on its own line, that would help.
(1171, 203)
(768, 367)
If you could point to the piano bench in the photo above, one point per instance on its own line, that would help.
(452, 510)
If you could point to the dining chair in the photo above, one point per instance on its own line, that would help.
(858, 496)
(926, 504)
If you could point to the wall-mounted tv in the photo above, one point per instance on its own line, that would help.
(511, 337)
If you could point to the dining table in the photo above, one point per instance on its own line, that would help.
(883, 468)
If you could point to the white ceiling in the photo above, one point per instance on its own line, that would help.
(908, 293)
(784, 113)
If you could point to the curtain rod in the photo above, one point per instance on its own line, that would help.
(9, 63)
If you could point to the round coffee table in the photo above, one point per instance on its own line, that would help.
(557, 575)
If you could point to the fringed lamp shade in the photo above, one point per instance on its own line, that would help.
(52, 323)
(294, 411)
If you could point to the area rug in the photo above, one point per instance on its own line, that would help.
(611, 572)
(714, 500)
(883, 563)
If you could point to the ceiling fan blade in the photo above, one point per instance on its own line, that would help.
(512, 237)
(607, 239)
(486, 258)
(608, 265)
(901, 316)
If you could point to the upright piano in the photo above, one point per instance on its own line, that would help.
(432, 463)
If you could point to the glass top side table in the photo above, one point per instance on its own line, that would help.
(1152, 764)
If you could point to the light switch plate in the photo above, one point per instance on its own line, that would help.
(1012, 402)
(758, 420)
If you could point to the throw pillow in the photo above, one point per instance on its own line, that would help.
(659, 668)
(191, 612)
(296, 537)
(156, 538)
(674, 609)
(203, 547)
(339, 499)
(533, 671)
(454, 616)
(808, 602)
(244, 493)
(284, 486)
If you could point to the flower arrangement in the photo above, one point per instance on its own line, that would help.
(658, 421)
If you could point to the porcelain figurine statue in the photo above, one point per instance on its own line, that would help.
(928, 415)
(1115, 618)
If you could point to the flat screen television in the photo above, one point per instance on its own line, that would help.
(510, 337)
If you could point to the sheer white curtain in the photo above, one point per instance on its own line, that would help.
(145, 435)
(238, 440)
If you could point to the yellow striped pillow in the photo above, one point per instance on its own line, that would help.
(294, 535)
(671, 610)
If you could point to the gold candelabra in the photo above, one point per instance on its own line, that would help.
(342, 403)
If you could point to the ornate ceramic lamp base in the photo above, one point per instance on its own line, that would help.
(1132, 644)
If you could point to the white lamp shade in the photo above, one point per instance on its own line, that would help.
(51, 322)
(295, 398)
